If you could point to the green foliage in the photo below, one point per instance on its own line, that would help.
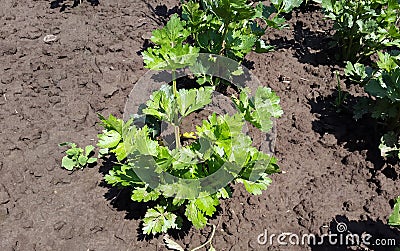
(110, 141)
(170, 53)
(77, 157)
(219, 141)
(341, 96)
(164, 106)
(259, 110)
(256, 187)
(228, 28)
(159, 220)
(124, 176)
(394, 218)
(381, 82)
(363, 27)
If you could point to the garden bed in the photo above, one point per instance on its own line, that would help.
(51, 92)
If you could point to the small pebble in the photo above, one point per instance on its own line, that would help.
(50, 38)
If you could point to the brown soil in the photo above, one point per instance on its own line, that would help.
(50, 93)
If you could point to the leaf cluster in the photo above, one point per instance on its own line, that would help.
(164, 106)
(381, 83)
(170, 51)
(219, 143)
(76, 157)
(363, 27)
(232, 28)
(223, 27)
(260, 109)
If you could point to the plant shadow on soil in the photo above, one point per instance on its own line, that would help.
(377, 230)
(356, 135)
(63, 6)
(361, 136)
(311, 47)
(162, 11)
(120, 198)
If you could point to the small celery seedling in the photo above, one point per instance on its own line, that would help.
(341, 97)
(394, 219)
(76, 157)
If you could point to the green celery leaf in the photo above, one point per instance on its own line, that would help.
(162, 104)
(286, 5)
(224, 193)
(164, 159)
(143, 194)
(172, 33)
(374, 87)
(120, 151)
(261, 47)
(88, 150)
(210, 41)
(170, 58)
(195, 215)
(184, 157)
(109, 139)
(144, 144)
(91, 160)
(264, 12)
(241, 150)
(239, 43)
(122, 175)
(76, 151)
(82, 160)
(112, 123)
(394, 218)
(257, 187)
(193, 99)
(386, 62)
(265, 97)
(207, 203)
(197, 19)
(157, 220)
(260, 109)
(231, 10)
(68, 163)
(357, 72)
(103, 151)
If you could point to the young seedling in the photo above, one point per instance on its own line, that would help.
(77, 157)
(341, 95)
(363, 27)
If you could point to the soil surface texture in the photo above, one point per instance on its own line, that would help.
(51, 92)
